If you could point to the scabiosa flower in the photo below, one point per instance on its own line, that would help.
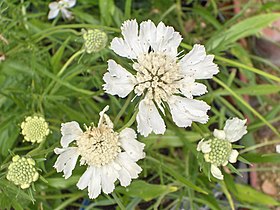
(34, 129)
(22, 171)
(108, 155)
(62, 6)
(218, 150)
(161, 76)
(94, 40)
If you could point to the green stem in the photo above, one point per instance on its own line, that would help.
(127, 11)
(228, 195)
(39, 148)
(61, 71)
(259, 145)
(130, 122)
(128, 101)
(118, 201)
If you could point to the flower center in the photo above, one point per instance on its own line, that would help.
(220, 151)
(94, 40)
(35, 129)
(22, 171)
(159, 74)
(98, 146)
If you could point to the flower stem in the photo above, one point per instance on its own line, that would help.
(228, 195)
(259, 145)
(70, 60)
(128, 100)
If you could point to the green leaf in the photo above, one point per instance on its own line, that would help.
(61, 183)
(252, 90)
(177, 176)
(262, 158)
(248, 194)
(107, 8)
(147, 191)
(244, 28)
(56, 59)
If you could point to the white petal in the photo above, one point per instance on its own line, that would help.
(147, 33)
(216, 172)
(185, 110)
(190, 88)
(278, 148)
(104, 119)
(148, 119)
(94, 188)
(70, 3)
(70, 131)
(128, 164)
(118, 81)
(219, 134)
(131, 146)
(130, 46)
(235, 129)
(199, 65)
(225, 163)
(199, 145)
(53, 5)
(66, 160)
(167, 40)
(108, 177)
(53, 13)
(233, 156)
(66, 14)
(205, 147)
(124, 177)
(85, 179)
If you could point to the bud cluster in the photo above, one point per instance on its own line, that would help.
(22, 171)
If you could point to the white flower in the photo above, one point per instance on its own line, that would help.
(109, 155)
(62, 6)
(160, 75)
(278, 148)
(218, 151)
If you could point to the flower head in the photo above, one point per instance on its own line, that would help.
(160, 76)
(218, 150)
(34, 129)
(108, 155)
(22, 171)
(94, 40)
(62, 6)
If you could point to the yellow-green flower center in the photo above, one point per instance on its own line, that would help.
(35, 129)
(22, 171)
(220, 151)
(94, 40)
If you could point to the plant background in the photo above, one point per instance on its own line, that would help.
(36, 49)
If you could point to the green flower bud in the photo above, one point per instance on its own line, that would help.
(22, 171)
(94, 40)
(34, 129)
(220, 151)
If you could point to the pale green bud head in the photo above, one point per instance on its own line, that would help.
(22, 171)
(34, 129)
(220, 151)
(94, 40)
